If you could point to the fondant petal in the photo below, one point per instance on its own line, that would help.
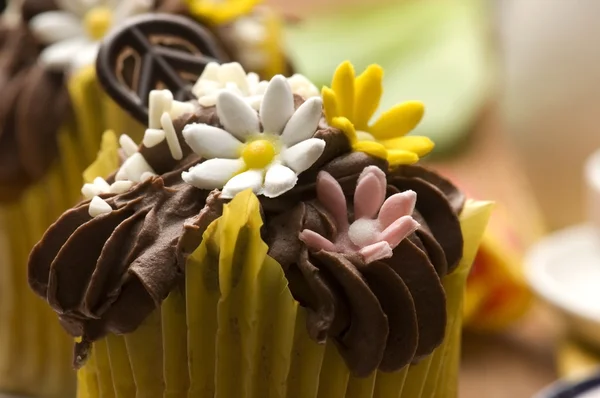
(277, 106)
(369, 88)
(278, 180)
(213, 173)
(398, 120)
(396, 206)
(211, 142)
(55, 26)
(303, 155)
(236, 115)
(303, 123)
(251, 179)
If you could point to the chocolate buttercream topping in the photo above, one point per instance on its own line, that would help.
(34, 104)
(381, 314)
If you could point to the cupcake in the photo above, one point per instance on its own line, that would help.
(262, 240)
(52, 117)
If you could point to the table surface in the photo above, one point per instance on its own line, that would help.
(520, 361)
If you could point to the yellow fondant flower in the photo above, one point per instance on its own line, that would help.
(351, 102)
(220, 11)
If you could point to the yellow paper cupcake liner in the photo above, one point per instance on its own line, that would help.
(35, 353)
(234, 329)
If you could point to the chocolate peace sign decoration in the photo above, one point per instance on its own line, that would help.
(154, 51)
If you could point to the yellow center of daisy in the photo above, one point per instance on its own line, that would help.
(97, 21)
(258, 154)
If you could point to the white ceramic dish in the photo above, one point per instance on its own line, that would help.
(564, 270)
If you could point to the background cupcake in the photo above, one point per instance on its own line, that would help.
(52, 117)
(263, 242)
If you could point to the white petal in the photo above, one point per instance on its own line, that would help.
(153, 137)
(236, 115)
(250, 30)
(277, 106)
(303, 123)
(213, 173)
(278, 180)
(211, 142)
(251, 179)
(86, 56)
(59, 55)
(77, 7)
(303, 155)
(98, 207)
(233, 72)
(54, 26)
(124, 9)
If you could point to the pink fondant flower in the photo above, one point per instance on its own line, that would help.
(379, 224)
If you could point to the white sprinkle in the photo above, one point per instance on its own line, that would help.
(129, 146)
(134, 167)
(211, 71)
(98, 207)
(160, 101)
(147, 175)
(171, 135)
(90, 190)
(121, 174)
(179, 108)
(254, 101)
(153, 137)
(208, 100)
(120, 186)
(234, 72)
(102, 184)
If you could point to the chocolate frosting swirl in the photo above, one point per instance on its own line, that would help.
(381, 315)
(35, 103)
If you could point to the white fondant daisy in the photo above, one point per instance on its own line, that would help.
(242, 155)
(217, 78)
(72, 33)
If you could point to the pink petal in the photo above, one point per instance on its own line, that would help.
(396, 206)
(376, 251)
(399, 230)
(315, 241)
(332, 197)
(369, 195)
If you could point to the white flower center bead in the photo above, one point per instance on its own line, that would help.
(364, 232)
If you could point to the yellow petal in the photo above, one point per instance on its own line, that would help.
(413, 143)
(396, 157)
(372, 148)
(398, 120)
(347, 127)
(329, 104)
(368, 91)
(343, 87)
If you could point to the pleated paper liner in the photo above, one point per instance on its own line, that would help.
(35, 353)
(234, 330)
